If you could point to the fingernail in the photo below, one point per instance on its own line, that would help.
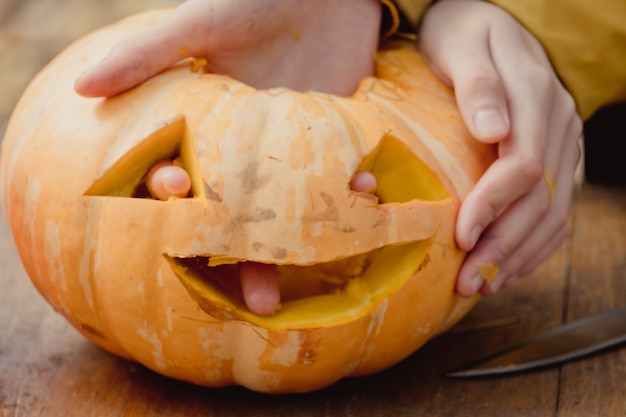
(476, 283)
(474, 235)
(490, 123)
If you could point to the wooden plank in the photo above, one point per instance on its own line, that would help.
(596, 386)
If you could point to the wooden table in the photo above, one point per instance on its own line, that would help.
(48, 369)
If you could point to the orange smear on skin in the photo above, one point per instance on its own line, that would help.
(295, 33)
(551, 185)
(488, 271)
(197, 64)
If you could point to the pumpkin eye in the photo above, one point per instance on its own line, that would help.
(126, 177)
(401, 176)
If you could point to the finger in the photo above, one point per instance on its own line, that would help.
(501, 239)
(465, 62)
(506, 180)
(363, 182)
(259, 283)
(139, 58)
(555, 241)
(551, 232)
(508, 243)
(165, 180)
(503, 280)
(530, 86)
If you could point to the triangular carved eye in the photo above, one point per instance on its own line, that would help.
(401, 176)
(126, 178)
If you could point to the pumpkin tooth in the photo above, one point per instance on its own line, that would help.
(295, 281)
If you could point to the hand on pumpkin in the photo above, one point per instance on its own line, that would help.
(321, 45)
(509, 95)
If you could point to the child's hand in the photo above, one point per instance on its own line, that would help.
(321, 45)
(508, 94)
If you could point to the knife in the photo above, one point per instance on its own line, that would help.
(570, 341)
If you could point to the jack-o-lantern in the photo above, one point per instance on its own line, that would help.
(365, 280)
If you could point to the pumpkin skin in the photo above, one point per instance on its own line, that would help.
(270, 182)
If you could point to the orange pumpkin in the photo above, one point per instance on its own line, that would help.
(365, 280)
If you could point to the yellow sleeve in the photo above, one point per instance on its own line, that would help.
(586, 42)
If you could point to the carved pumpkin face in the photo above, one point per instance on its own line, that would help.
(364, 280)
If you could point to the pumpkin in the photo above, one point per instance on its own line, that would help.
(365, 280)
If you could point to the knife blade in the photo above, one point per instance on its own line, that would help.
(565, 343)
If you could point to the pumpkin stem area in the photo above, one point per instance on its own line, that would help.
(311, 295)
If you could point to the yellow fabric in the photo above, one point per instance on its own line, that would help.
(585, 40)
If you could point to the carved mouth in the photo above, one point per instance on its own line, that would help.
(311, 295)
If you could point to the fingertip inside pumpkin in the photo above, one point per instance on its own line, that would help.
(314, 295)
(127, 177)
(400, 175)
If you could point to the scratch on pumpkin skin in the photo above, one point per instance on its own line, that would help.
(160, 277)
(211, 194)
(290, 351)
(425, 328)
(88, 263)
(169, 313)
(250, 180)
(331, 213)
(258, 215)
(195, 319)
(31, 197)
(373, 329)
(53, 254)
(265, 338)
(152, 338)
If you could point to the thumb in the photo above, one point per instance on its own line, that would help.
(137, 59)
(481, 98)
(468, 67)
